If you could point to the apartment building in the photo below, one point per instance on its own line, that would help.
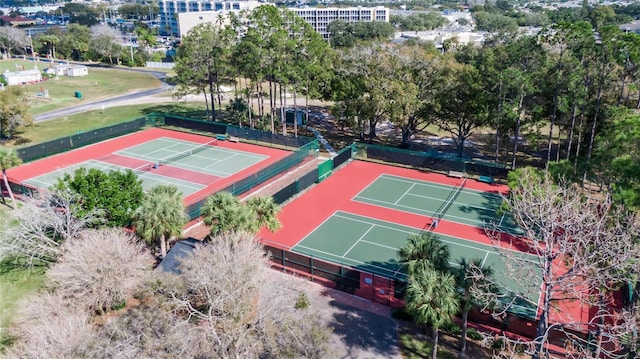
(177, 17)
(320, 18)
(170, 11)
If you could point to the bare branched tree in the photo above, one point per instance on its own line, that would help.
(221, 305)
(12, 38)
(583, 249)
(100, 269)
(43, 223)
(49, 326)
(105, 31)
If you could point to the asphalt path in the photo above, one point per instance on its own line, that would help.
(110, 102)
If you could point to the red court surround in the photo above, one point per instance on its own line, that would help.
(104, 150)
(305, 213)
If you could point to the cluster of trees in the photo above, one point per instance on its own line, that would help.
(571, 81)
(347, 34)
(14, 112)
(585, 250)
(418, 22)
(102, 43)
(279, 53)
(102, 296)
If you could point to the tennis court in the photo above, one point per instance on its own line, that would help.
(206, 158)
(145, 173)
(457, 204)
(372, 245)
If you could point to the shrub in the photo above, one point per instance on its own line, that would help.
(474, 334)
(302, 302)
(100, 269)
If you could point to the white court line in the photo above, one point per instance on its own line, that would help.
(154, 175)
(379, 245)
(127, 153)
(199, 169)
(349, 259)
(485, 259)
(404, 194)
(455, 202)
(367, 187)
(362, 236)
(435, 185)
(34, 181)
(419, 211)
(316, 228)
(400, 230)
(173, 181)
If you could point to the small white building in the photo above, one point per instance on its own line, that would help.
(22, 77)
(77, 71)
(58, 70)
(68, 70)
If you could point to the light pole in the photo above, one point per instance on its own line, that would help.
(31, 44)
(131, 48)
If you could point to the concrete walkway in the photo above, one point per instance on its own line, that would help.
(322, 141)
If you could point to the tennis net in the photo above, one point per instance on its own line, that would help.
(445, 206)
(187, 153)
(142, 169)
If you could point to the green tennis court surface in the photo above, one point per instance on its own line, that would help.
(372, 245)
(205, 158)
(455, 204)
(149, 179)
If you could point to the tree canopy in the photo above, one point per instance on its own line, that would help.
(117, 194)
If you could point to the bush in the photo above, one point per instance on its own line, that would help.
(452, 328)
(100, 269)
(474, 334)
(302, 302)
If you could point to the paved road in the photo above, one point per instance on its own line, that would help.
(164, 87)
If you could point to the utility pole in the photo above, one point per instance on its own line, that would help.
(131, 48)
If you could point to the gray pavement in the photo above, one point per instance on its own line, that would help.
(89, 106)
(361, 329)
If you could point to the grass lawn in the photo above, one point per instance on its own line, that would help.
(69, 125)
(101, 83)
(15, 284)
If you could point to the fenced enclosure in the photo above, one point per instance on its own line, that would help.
(59, 145)
(433, 160)
(363, 284)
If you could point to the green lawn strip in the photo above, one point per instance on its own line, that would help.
(73, 124)
(101, 83)
(15, 284)
(413, 347)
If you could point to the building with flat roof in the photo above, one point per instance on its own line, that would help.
(171, 10)
(179, 16)
(188, 20)
(320, 18)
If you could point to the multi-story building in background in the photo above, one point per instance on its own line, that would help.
(170, 10)
(320, 18)
(177, 17)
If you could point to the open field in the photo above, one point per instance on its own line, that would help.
(101, 83)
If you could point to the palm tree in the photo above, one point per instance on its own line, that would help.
(432, 300)
(464, 282)
(265, 211)
(425, 249)
(161, 216)
(224, 213)
(8, 159)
